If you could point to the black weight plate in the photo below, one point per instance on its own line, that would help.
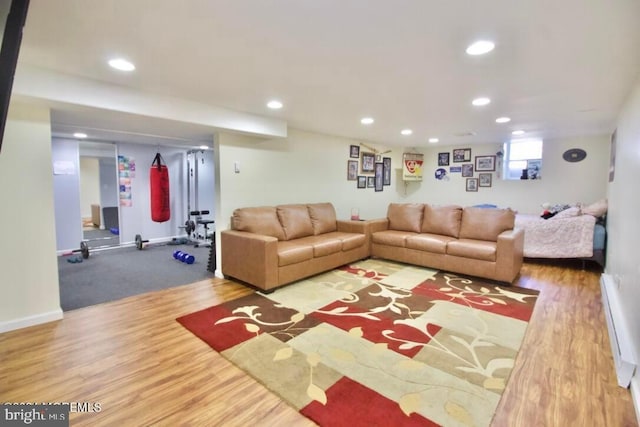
(84, 249)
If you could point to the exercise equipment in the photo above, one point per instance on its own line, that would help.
(184, 257)
(84, 247)
(195, 216)
(84, 250)
(140, 244)
(159, 189)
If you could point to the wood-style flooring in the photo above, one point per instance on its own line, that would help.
(143, 368)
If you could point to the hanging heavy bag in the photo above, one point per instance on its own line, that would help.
(159, 189)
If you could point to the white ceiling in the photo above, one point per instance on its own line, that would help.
(559, 69)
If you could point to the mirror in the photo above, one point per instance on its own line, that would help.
(99, 194)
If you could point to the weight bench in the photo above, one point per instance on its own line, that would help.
(205, 223)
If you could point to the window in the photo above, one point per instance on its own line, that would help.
(522, 155)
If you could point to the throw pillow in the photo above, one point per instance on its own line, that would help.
(596, 209)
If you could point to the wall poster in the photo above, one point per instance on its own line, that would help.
(412, 165)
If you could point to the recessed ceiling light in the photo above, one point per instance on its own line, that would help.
(480, 47)
(517, 132)
(204, 147)
(503, 120)
(80, 135)
(366, 120)
(406, 131)
(274, 105)
(479, 102)
(433, 140)
(122, 64)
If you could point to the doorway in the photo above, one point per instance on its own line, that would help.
(99, 194)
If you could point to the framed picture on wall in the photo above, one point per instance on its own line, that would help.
(379, 176)
(467, 170)
(484, 180)
(485, 163)
(371, 181)
(461, 155)
(472, 184)
(534, 169)
(443, 159)
(386, 172)
(367, 162)
(362, 181)
(352, 170)
(354, 151)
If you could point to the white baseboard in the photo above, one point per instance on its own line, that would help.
(635, 396)
(36, 319)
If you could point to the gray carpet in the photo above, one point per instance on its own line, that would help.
(114, 274)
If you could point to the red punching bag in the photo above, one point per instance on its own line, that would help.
(159, 188)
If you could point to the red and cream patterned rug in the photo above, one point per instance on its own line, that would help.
(377, 343)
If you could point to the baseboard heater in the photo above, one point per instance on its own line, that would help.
(618, 332)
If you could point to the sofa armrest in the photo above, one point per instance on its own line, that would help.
(252, 258)
(348, 226)
(376, 225)
(509, 253)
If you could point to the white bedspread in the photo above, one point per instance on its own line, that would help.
(557, 237)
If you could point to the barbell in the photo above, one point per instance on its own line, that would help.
(84, 250)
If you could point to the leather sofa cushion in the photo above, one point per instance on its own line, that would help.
(474, 249)
(323, 217)
(391, 237)
(405, 216)
(486, 224)
(258, 220)
(353, 241)
(442, 220)
(295, 221)
(349, 240)
(293, 252)
(324, 245)
(429, 243)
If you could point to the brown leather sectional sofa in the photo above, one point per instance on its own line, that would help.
(472, 241)
(271, 246)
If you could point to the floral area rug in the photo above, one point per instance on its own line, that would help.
(376, 343)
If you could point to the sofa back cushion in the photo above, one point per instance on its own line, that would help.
(259, 220)
(295, 221)
(486, 224)
(405, 216)
(323, 217)
(442, 220)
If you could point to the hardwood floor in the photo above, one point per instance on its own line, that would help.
(143, 368)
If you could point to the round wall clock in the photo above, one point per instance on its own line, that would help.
(574, 155)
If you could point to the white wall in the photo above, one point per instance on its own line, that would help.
(562, 182)
(309, 167)
(622, 222)
(89, 185)
(29, 284)
(302, 168)
(136, 219)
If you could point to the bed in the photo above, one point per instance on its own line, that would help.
(569, 234)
